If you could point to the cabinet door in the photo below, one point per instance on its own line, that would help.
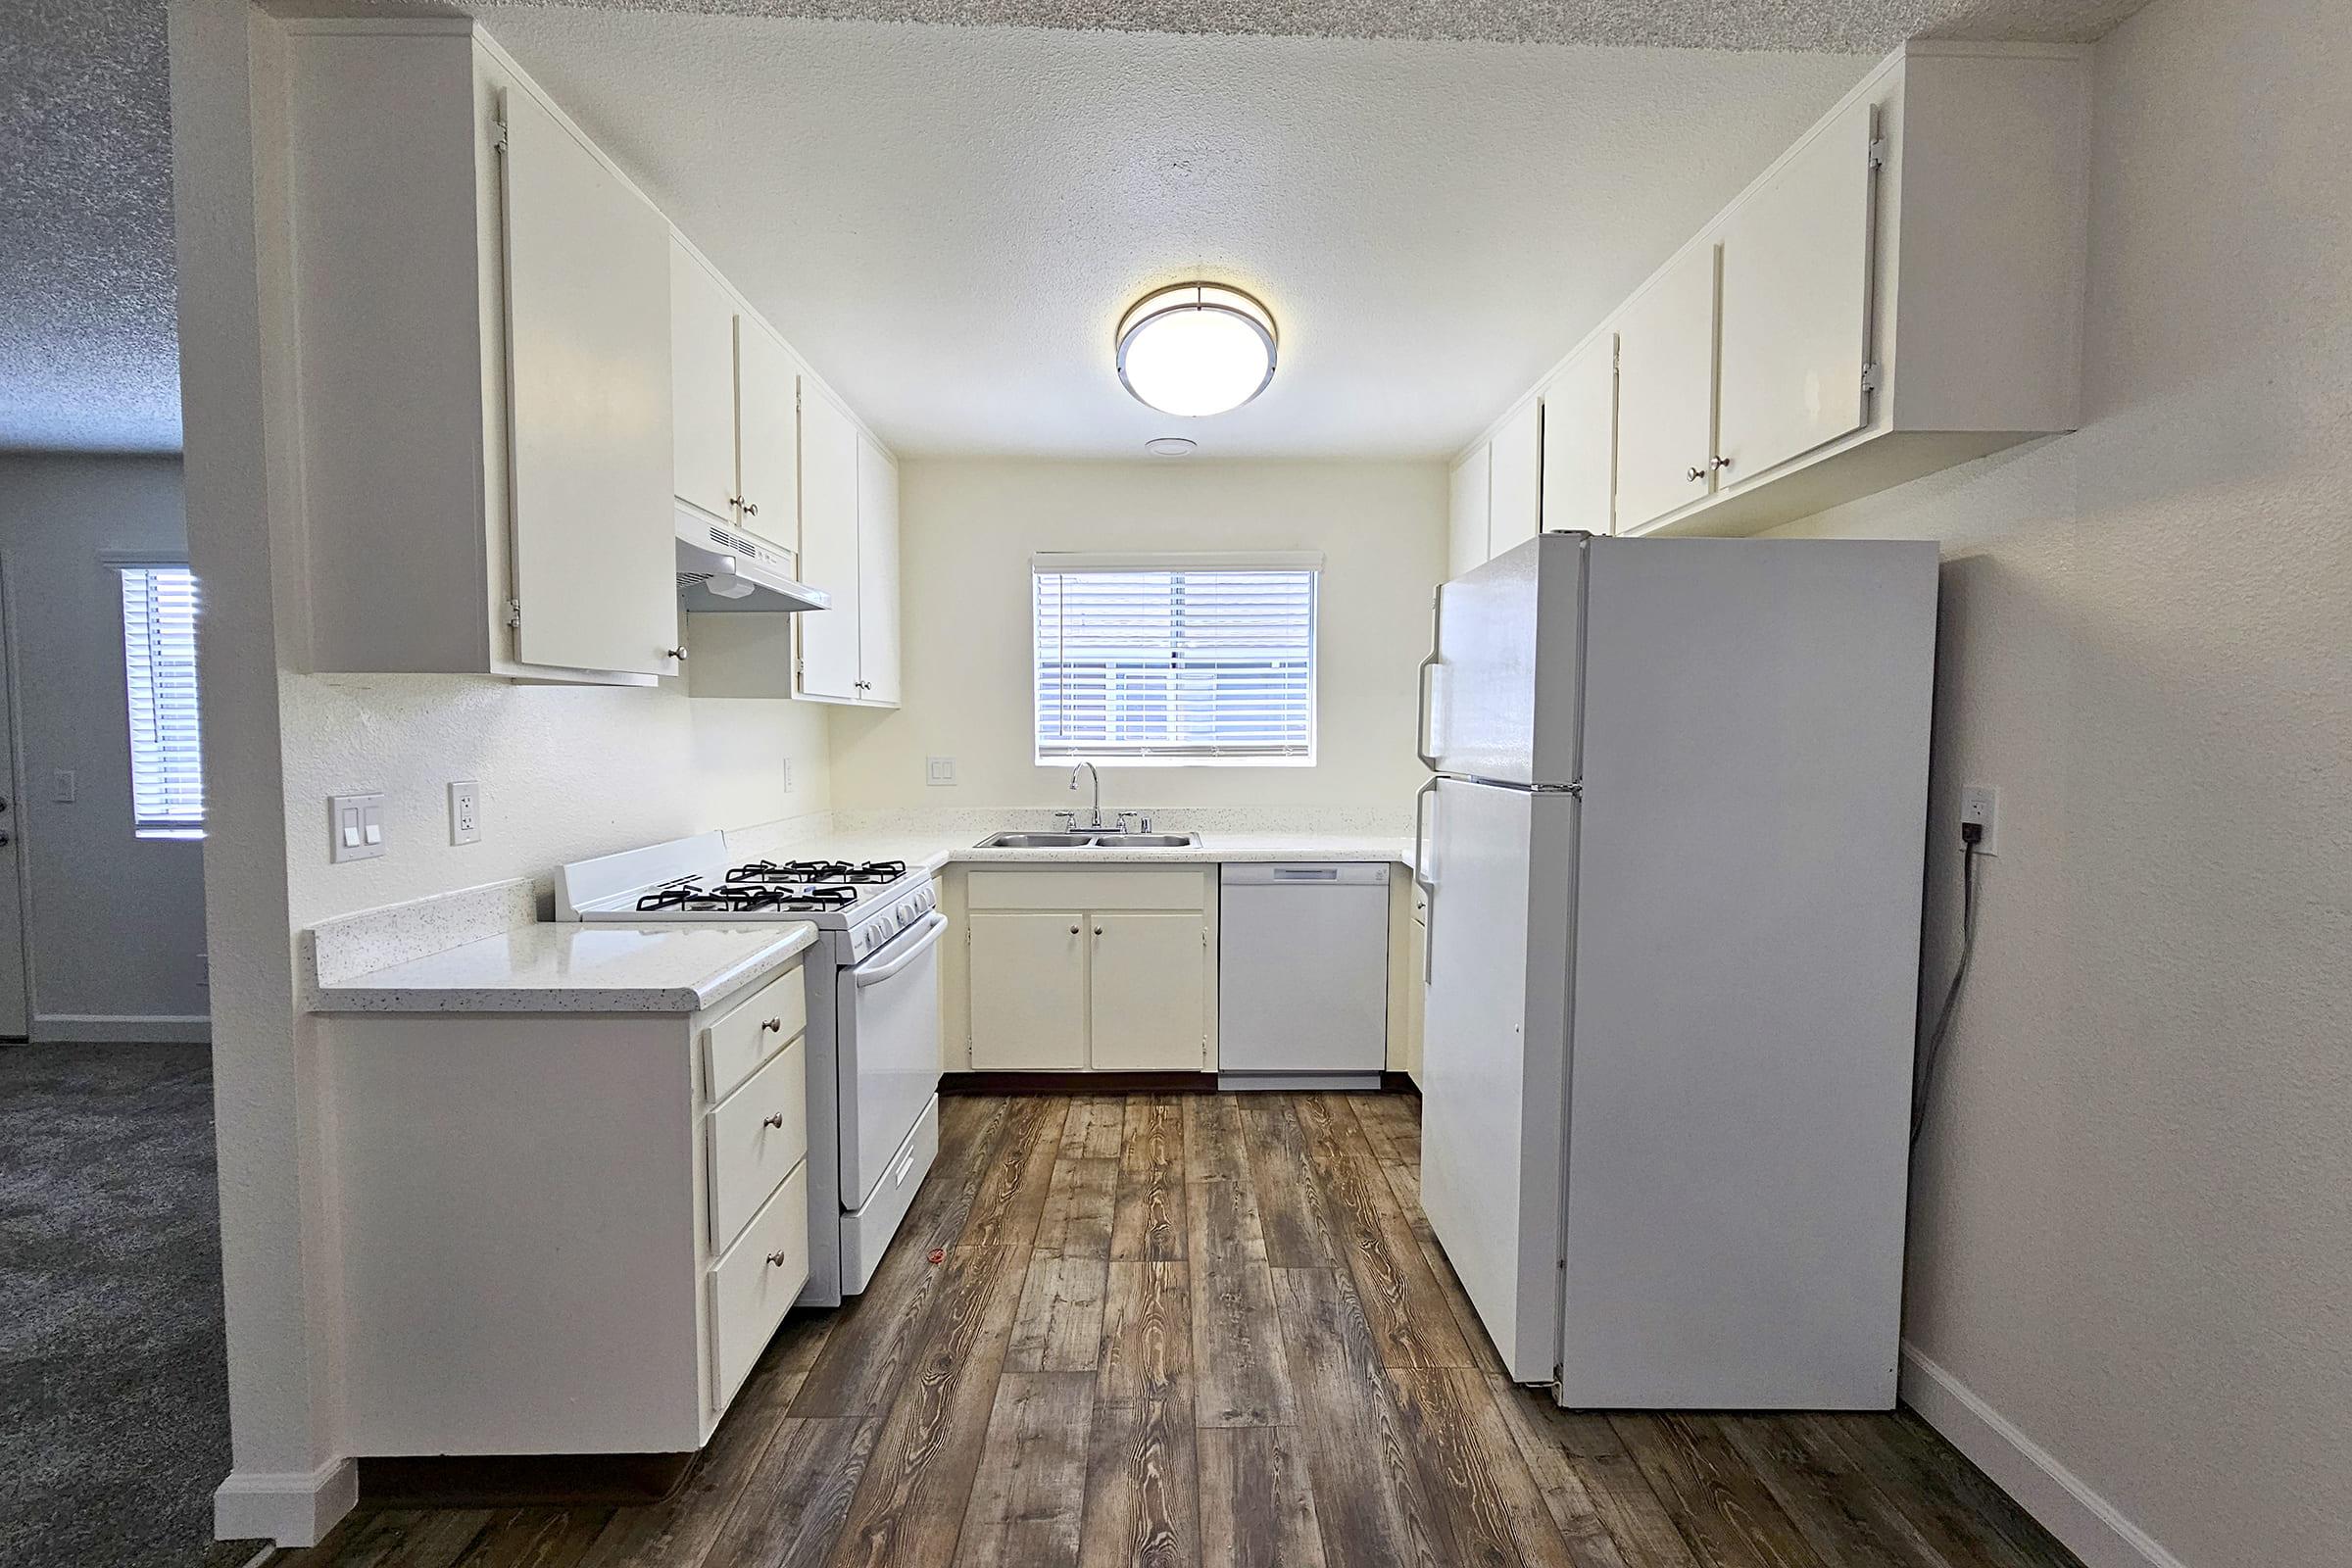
(767, 433)
(1797, 303)
(828, 548)
(702, 374)
(1416, 991)
(587, 283)
(1148, 1002)
(1580, 440)
(1028, 987)
(1666, 393)
(877, 573)
(1467, 529)
(1515, 484)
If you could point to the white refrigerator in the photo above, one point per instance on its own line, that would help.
(1673, 850)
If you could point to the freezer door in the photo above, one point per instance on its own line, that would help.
(1503, 686)
(1500, 864)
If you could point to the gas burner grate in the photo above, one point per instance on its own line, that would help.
(818, 871)
(732, 898)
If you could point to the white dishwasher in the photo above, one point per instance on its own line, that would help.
(1302, 976)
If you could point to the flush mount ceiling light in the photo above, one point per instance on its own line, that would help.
(1195, 349)
(1170, 446)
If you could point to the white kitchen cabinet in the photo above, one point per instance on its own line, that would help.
(1515, 480)
(1083, 968)
(702, 374)
(768, 445)
(1580, 440)
(1901, 291)
(1666, 392)
(564, 1232)
(1467, 510)
(1146, 990)
(1029, 1006)
(471, 503)
(877, 574)
(1795, 258)
(1416, 985)
(830, 638)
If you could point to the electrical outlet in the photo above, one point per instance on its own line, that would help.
(62, 785)
(355, 827)
(788, 775)
(465, 811)
(939, 770)
(1981, 804)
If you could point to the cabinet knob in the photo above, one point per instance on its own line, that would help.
(678, 653)
(1073, 930)
(1720, 463)
(1098, 930)
(775, 1260)
(773, 1026)
(750, 509)
(774, 1118)
(1694, 474)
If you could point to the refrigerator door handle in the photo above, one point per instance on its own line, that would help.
(1427, 884)
(1421, 738)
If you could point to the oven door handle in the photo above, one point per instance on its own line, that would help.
(870, 975)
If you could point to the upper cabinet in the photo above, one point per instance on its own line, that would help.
(1466, 513)
(1515, 481)
(1898, 292)
(849, 548)
(877, 573)
(511, 375)
(1580, 440)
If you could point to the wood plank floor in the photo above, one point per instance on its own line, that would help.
(1213, 1331)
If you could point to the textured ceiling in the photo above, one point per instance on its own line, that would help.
(975, 182)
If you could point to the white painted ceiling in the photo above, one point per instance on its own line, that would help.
(1436, 199)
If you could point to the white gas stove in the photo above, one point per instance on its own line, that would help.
(873, 1016)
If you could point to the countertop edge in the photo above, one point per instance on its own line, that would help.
(689, 997)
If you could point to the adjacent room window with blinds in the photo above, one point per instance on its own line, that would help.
(159, 650)
(1169, 661)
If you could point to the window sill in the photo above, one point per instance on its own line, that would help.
(1178, 762)
(168, 832)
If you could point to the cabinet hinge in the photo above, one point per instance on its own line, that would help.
(498, 135)
(1870, 376)
(1878, 152)
(513, 612)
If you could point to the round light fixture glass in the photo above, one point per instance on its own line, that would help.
(1195, 349)
(1170, 446)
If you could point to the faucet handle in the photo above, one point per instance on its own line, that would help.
(1126, 817)
(1068, 819)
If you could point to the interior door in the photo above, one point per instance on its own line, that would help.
(702, 372)
(1580, 440)
(1499, 865)
(1515, 484)
(767, 433)
(877, 573)
(1796, 259)
(1666, 393)
(830, 638)
(1028, 986)
(16, 1008)
(588, 385)
(1148, 991)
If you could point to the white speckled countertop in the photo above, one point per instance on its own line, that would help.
(933, 849)
(577, 968)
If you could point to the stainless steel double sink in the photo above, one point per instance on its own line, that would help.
(1107, 839)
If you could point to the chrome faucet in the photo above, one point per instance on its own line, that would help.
(1096, 821)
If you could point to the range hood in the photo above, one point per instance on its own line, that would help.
(731, 571)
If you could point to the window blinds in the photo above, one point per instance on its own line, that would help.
(1177, 662)
(158, 646)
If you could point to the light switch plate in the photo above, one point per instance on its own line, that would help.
(465, 811)
(939, 770)
(1981, 804)
(355, 827)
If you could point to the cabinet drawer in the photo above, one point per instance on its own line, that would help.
(740, 1039)
(755, 1140)
(755, 1285)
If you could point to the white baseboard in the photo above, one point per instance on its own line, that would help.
(113, 1029)
(2084, 1523)
(295, 1509)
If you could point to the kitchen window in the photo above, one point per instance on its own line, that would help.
(1175, 660)
(159, 657)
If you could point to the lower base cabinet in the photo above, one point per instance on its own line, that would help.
(565, 1233)
(1091, 970)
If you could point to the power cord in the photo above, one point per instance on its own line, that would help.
(1971, 834)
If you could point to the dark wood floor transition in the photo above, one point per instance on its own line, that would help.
(1213, 1330)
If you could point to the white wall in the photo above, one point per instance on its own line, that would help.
(118, 920)
(2132, 1224)
(970, 527)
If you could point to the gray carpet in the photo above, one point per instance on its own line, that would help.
(114, 1411)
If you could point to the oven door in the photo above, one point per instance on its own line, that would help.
(887, 1062)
